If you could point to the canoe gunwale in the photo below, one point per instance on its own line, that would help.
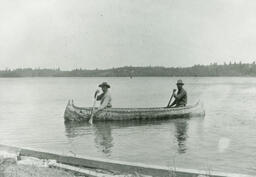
(136, 110)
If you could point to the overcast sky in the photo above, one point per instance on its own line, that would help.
(111, 33)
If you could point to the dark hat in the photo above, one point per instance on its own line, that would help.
(104, 84)
(179, 82)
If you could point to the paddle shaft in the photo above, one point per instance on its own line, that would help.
(171, 98)
(93, 108)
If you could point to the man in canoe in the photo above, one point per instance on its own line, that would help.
(180, 96)
(104, 97)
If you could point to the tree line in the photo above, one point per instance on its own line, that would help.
(214, 69)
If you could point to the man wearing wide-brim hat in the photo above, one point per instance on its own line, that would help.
(180, 96)
(105, 97)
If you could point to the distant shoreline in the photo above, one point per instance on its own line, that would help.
(212, 70)
(121, 77)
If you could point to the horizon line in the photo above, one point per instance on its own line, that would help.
(116, 67)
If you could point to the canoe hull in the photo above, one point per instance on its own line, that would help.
(74, 113)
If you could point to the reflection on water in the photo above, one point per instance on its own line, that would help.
(104, 140)
(181, 127)
(102, 134)
(74, 129)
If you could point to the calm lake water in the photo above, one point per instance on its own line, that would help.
(31, 115)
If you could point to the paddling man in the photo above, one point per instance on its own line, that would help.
(104, 98)
(180, 96)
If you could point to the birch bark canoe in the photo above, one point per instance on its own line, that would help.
(75, 113)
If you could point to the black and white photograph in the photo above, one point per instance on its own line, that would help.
(127, 88)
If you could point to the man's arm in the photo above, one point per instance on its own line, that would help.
(105, 103)
(173, 103)
(180, 95)
(99, 97)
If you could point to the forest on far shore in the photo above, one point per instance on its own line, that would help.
(212, 70)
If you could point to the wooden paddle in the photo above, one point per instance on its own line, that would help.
(93, 108)
(170, 98)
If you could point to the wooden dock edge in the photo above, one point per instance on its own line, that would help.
(113, 165)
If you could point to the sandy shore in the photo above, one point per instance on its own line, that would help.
(13, 165)
(10, 167)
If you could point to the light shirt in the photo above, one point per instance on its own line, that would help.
(181, 98)
(105, 100)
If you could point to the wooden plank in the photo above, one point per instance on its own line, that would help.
(125, 167)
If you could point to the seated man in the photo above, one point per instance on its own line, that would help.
(180, 97)
(104, 97)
